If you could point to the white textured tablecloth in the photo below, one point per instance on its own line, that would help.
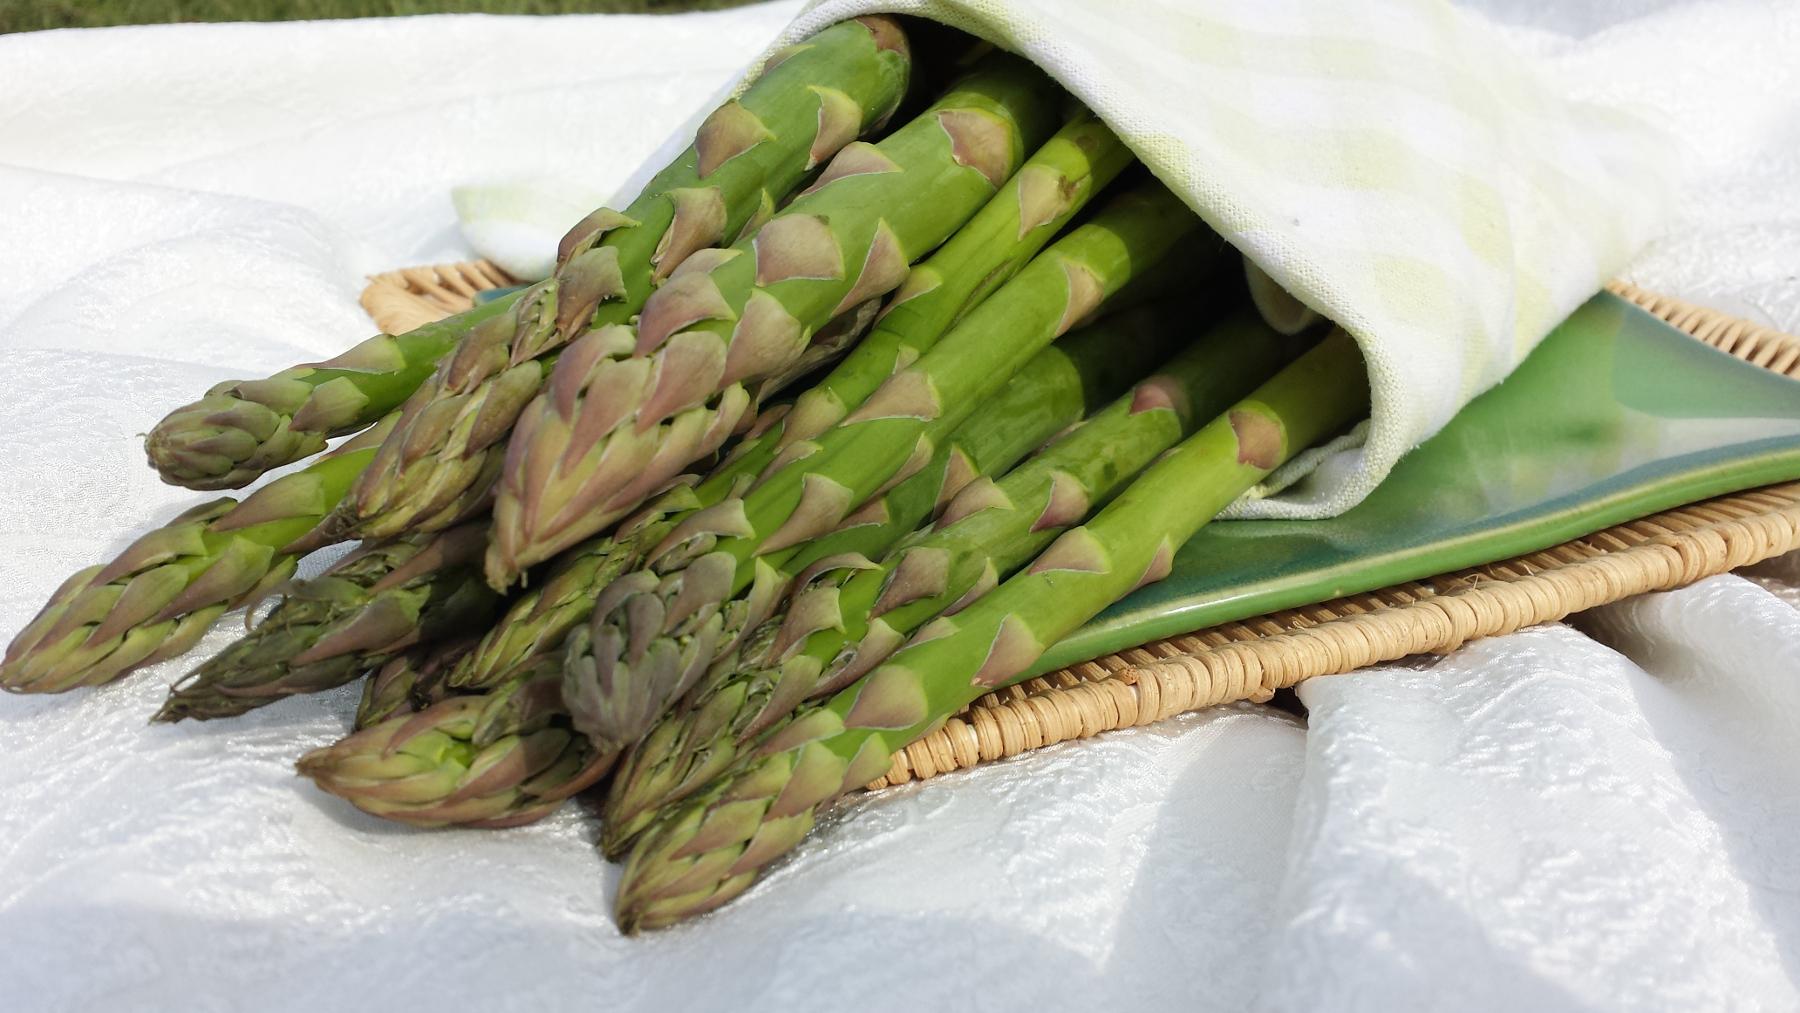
(1604, 815)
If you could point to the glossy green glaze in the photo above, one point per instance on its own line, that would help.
(1614, 416)
(489, 295)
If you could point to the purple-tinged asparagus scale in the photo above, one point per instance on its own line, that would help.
(369, 606)
(410, 681)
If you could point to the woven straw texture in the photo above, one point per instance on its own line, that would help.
(1251, 659)
(399, 301)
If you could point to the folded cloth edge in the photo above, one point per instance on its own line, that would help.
(1463, 207)
(1401, 417)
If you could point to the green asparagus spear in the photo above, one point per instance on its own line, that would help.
(687, 607)
(242, 429)
(843, 620)
(1054, 184)
(440, 464)
(157, 597)
(1056, 389)
(629, 408)
(706, 850)
(426, 770)
(369, 606)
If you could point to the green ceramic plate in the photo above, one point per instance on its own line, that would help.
(1616, 415)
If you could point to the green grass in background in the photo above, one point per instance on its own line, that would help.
(32, 15)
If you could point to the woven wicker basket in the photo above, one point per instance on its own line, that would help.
(1251, 659)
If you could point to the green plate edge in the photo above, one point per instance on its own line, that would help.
(1615, 415)
(488, 295)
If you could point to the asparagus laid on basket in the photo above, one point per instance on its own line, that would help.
(654, 625)
(848, 614)
(372, 604)
(629, 408)
(156, 599)
(1055, 390)
(811, 99)
(702, 852)
(1048, 189)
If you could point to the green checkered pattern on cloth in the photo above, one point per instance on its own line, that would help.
(1390, 164)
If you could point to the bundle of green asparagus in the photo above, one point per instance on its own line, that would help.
(847, 613)
(1054, 391)
(839, 425)
(708, 848)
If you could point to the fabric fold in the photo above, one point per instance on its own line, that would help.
(1398, 168)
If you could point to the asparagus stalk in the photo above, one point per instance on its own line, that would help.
(705, 851)
(627, 409)
(439, 466)
(1055, 390)
(1035, 203)
(1054, 184)
(369, 606)
(684, 609)
(409, 681)
(426, 769)
(811, 99)
(843, 620)
(155, 600)
(244, 428)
